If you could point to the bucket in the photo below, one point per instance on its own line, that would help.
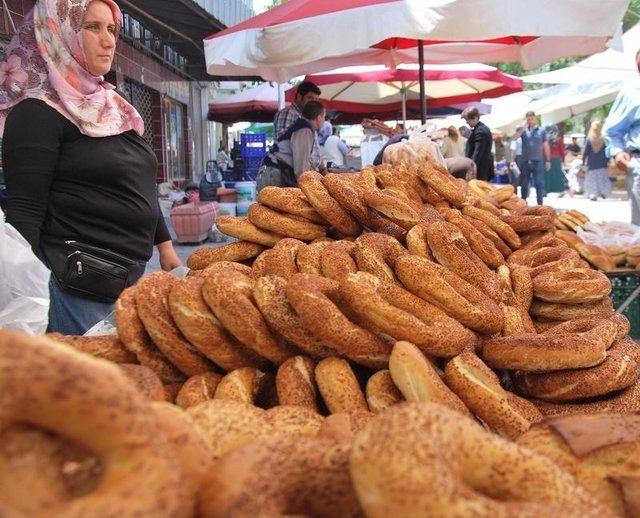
(242, 208)
(226, 209)
(246, 191)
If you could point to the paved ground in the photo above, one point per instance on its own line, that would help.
(615, 208)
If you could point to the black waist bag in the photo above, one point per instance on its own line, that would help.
(90, 271)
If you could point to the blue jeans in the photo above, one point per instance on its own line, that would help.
(71, 314)
(533, 170)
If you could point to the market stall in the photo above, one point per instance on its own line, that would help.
(392, 342)
(393, 331)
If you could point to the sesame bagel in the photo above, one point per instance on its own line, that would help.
(617, 372)
(290, 200)
(427, 460)
(230, 296)
(238, 251)
(403, 316)
(135, 338)
(314, 300)
(201, 327)
(317, 194)
(92, 403)
(270, 296)
(241, 228)
(339, 386)
(152, 294)
(455, 296)
(289, 226)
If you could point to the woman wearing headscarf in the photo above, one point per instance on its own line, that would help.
(80, 177)
(556, 180)
(596, 182)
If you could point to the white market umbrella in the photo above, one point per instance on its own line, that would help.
(306, 36)
(603, 67)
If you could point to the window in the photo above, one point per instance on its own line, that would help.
(174, 144)
(141, 98)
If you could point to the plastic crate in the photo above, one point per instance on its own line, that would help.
(252, 162)
(253, 145)
(624, 285)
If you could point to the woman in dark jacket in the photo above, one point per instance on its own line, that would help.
(80, 177)
(479, 144)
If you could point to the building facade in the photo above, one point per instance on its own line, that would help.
(159, 67)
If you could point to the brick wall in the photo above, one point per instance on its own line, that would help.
(17, 9)
(158, 131)
(145, 70)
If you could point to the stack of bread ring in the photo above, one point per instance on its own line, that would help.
(348, 306)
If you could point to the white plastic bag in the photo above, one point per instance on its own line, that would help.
(24, 284)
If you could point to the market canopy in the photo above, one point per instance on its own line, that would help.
(603, 67)
(306, 36)
(378, 89)
(258, 104)
(553, 105)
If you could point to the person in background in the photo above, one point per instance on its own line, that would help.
(574, 147)
(556, 181)
(223, 159)
(596, 181)
(296, 151)
(478, 146)
(81, 179)
(306, 91)
(515, 162)
(622, 137)
(192, 192)
(325, 132)
(453, 144)
(461, 167)
(502, 152)
(536, 158)
(334, 150)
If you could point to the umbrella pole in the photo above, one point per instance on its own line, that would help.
(404, 106)
(423, 97)
(281, 101)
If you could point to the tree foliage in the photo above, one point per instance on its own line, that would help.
(632, 17)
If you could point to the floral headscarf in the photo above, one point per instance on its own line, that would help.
(46, 61)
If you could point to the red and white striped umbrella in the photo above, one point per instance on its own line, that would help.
(305, 36)
(377, 89)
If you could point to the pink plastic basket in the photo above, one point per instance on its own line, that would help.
(193, 221)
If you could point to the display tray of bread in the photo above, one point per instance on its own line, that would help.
(393, 342)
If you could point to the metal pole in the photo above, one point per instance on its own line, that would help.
(423, 96)
(404, 106)
(281, 100)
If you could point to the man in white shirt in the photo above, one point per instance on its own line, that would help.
(334, 150)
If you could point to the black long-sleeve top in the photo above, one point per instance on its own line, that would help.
(63, 184)
(479, 150)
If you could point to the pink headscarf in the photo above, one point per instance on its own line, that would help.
(46, 61)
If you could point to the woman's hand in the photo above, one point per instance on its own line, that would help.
(168, 257)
